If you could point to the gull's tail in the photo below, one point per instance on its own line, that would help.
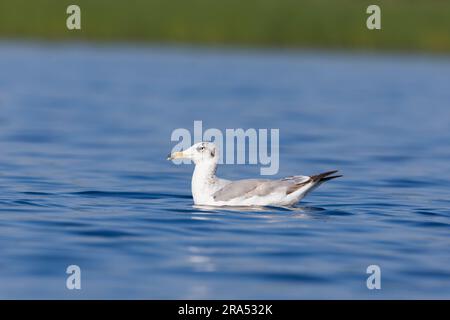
(296, 192)
(322, 177)
(318, 179)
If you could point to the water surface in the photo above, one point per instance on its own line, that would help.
(84, 132)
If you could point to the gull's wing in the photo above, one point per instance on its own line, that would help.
(259, 187)
(237, 189)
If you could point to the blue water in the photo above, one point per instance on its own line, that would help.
(85, 130)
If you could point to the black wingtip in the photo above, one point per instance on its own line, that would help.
(331, 177)
(322, 176)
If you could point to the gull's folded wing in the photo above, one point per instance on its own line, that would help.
(237, 189)
(258, 187)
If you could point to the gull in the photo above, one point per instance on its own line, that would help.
(209, 190)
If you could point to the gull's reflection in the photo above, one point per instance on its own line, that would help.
(211, 209)
(200, 260)
(204, 212)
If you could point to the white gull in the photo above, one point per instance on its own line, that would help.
(209, 190)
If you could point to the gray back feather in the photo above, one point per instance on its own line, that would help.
(258, 187)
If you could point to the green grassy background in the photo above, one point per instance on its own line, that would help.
(412, 25)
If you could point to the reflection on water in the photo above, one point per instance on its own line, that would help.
(209, 209)
(83, 180)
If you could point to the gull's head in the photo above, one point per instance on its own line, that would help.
(198, 153)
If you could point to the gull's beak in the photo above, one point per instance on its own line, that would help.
(176, 155)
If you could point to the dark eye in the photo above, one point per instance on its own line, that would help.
(201, 148)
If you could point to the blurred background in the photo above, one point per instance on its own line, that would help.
(406, 24)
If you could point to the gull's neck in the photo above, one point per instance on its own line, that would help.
(203, 181)
(205, 172)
